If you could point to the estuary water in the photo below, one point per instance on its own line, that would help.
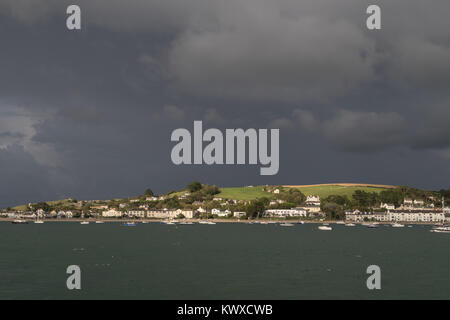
(222, 261)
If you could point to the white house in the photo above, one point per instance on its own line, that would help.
(399, 215)
(387, 206)
(165, 214)
(201, 210)
(407, 202)
(312, 204)
(239, 214)
(151, 198)
(274, 202)
(185, 195)
(112, 213)
(136, 213)
(295, 212)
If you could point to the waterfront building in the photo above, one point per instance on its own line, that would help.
(312, 204)
(112, 213)
(136, 213)
(388, 206)
(239, 214)
(399, 215)
(168, 214)
(295, 212)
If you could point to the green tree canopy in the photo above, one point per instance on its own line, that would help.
(148, 192)
(194, 186)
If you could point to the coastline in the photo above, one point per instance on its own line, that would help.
(255, 221)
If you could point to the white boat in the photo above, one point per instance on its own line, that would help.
(84, 222)
(99, 221)
(350, 224)
(398, 225)
(144, 222)
(325, 228)
(286, 224)
(263, 222)
(443, 229)
(18, 221)
(301, 222)
(39, 221)
(340, 222)
(372, 225)
(186, 223)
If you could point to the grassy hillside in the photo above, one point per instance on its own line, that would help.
(326, 190)
(244, 193)
(62, 202)
(249, 193)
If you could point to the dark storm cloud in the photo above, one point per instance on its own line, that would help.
(89, 114)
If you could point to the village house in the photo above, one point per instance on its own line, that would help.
(295, 212)
(166, 214)
(407, 202)
(153, 198)
(220, 213)
(387, 206)
(201, 210)
(312, 204)
(399, 215)
(100, 207)
(185, 195)
(239, 214)
(136, 213)
(275, 202)
(112, 213)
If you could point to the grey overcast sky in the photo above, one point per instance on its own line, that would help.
(88, 114)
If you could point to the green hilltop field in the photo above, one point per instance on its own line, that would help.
(250, 193)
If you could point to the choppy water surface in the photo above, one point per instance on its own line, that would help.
(222, 261)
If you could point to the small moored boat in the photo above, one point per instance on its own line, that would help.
(398, 225)
(18, 221)
(443, 229)
(188, 223)
(286, 224)
(325, 228)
